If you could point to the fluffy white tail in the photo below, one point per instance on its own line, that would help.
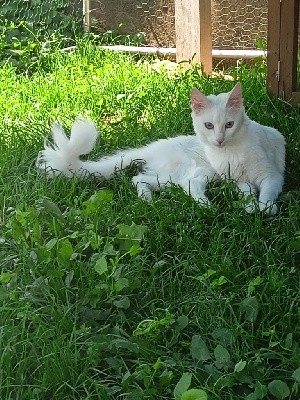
(61, 156)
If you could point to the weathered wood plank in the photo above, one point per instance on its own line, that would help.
(273, 46)
(288, 47)
(86, 10)
(193, 32)
(295, 98)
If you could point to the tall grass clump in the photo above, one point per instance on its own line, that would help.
(105, 297)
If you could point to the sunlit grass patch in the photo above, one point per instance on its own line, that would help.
(104, 296)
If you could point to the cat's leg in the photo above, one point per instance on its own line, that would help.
(196, 187)
(194, 183)
(146, 184)
(248, 191)
(270, 188)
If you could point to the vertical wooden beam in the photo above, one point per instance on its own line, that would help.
(288, 47)
(273, 46)
(86, 10)
(193, 32)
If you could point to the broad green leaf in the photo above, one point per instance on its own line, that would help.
(223, 336)
(97, 201)
(114, 362)
(5, 277)
(52, 242)
(158, 364)
(226, 381)
(135, 249)
(199, 349)
(47, 207)
(288, 343)
(133, 231)
(252, 284)
(240, 366)
(181, 322)
(218, 282)
(120, 96)
(260, 390)
(121, 343)
(249, 307)
(279, 389)
(17, 230)
(194, 394)
(221, 354)
(130, 235)
(207, 275)
(296, 375)
(123, 303)
(182, 385)
(65, 249)
(120, 284)
(101, 265)
(69, 277)
(252, 396)
(148, 326)
(109, 250)
(166, 378)
(259, 393)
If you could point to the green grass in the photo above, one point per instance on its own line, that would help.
(105, 297)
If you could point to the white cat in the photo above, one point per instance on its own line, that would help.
(227, 144)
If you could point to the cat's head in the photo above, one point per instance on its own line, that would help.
(217, 119)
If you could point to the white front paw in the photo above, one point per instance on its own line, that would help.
(268, 208)
(250, 207)
(202, 200)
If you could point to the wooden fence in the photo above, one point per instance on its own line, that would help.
(282, 56)
(193, 31)
(193, 36)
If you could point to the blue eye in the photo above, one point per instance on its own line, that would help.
(229, 124)
(209, 125)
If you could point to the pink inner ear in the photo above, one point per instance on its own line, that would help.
(199, 101)
(235, 98)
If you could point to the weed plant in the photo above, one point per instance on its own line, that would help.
(104, 296)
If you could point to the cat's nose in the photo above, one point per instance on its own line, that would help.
(220, 140)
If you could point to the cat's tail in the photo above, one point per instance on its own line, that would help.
(62, 155)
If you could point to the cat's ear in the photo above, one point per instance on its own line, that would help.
(235, 98)
(199, 101)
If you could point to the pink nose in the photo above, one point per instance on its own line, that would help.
(220, 141)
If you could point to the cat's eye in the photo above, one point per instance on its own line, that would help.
(209, 125)
(229, 124)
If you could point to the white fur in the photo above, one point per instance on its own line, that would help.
(230, 146)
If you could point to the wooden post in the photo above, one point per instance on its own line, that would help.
(193, 32)
(86, 10)
(283, 22)
(273, 44)
(288, 47)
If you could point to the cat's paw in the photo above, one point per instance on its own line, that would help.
(144, 193)
(143, 189)
(268, 208)
(202, 201)
(251, 207)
